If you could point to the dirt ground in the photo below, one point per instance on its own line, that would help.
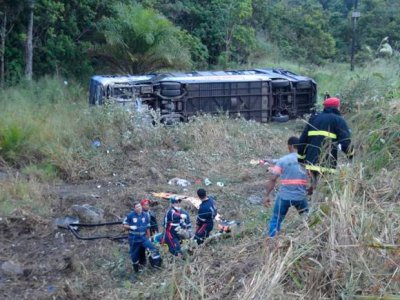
(50, 260)
(50, 263)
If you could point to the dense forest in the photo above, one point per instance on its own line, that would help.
(76, 39)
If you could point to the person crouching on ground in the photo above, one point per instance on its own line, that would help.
(292, 190)
(175, 220)
(205, 217)
(137, 222)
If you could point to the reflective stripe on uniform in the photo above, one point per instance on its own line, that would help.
(137, 233)
(276, 169)
(350, 153)
(320, 169)
(322, 133)
(293, 181)
(301, 156)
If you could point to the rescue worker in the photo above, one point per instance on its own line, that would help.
(176, 219)
(153, 229)
(324, 134)
(153, 219)
(292, 190)
(205, 217)
(137, 222)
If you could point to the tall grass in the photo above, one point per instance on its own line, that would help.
(350, 249)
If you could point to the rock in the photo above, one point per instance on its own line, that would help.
(11, 268)
(156, 175)
(255, 199)
(88, 213)
(63, 222)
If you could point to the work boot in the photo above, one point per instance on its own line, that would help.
(133, 278)
(136, 268)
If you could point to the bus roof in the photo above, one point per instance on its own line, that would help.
(105, 80)
(219, 78)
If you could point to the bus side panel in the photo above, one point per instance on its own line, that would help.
(250, 100)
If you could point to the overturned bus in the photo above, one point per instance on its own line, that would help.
(262, 95)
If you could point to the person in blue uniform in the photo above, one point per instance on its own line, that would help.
(153, 229)
(137, 223)
(205, 217)
(176, 219)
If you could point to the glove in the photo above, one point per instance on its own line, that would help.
(183, 217)
(133, 227)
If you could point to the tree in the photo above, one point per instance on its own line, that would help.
(223, 26)
(299, 28)
(379, 19)
(9, 12)
(139, 40)
(238, 37)
(29, 44)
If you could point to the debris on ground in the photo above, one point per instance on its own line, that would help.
(207, 182)
(179, 182)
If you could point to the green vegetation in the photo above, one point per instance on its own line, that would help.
(139, 40)
(77, 40)
(350, 249)
(50, 140)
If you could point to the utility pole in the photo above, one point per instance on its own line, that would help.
(354, 16)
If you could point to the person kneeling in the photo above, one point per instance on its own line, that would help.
(177, 226)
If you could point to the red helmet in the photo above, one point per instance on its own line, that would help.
(332, 102)
(145, 201)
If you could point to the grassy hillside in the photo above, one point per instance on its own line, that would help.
(350, 249)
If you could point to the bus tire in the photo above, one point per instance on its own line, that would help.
(280, 119)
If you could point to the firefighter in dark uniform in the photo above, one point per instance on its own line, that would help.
(205, 217)
(137, 222)
(325, 133)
